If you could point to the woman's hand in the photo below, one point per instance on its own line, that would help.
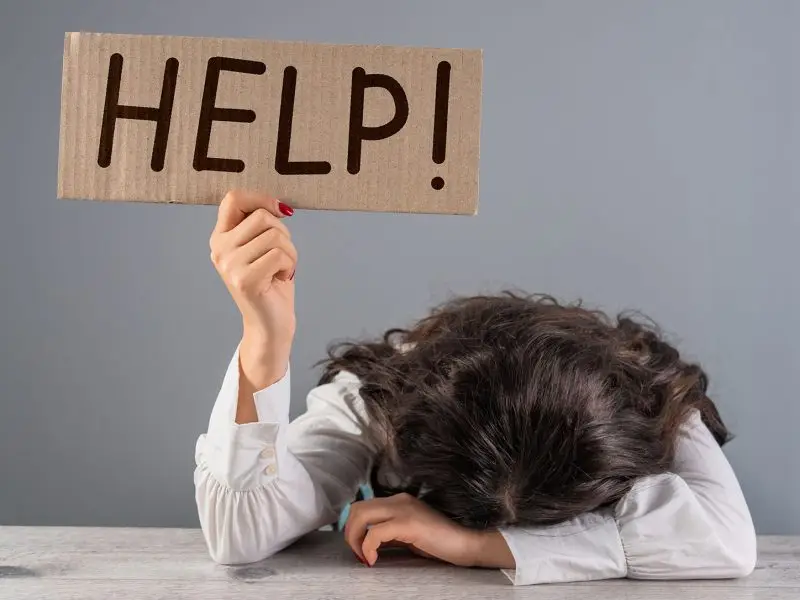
(405, 520)
(253, 253)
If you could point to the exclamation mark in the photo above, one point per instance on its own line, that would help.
(440, 119)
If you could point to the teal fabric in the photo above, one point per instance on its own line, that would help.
(365, 491)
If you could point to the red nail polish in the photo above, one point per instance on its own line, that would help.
(285, 209)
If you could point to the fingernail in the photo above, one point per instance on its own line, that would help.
(292, 276)
(285, 209)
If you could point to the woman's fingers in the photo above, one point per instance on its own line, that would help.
(383, 533)
(363, 515)
(254, 225)
(238, 204)
(256, 235)
(263, 243)
(276, 263)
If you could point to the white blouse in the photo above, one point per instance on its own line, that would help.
(261, 486)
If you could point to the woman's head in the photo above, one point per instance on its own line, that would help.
(503, 410)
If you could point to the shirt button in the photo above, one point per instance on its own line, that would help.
(267, 453)
(270, 470)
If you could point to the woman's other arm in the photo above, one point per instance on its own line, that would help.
(692, 523)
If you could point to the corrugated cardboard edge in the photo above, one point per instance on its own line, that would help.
(480, 135)
(274, 41)
(61, 194)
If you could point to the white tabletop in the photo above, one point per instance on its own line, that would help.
(38, 563)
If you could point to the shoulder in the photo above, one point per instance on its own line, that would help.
(340, 397)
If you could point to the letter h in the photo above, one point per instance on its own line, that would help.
(114, 110)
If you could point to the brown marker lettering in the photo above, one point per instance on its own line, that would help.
(114, 110)
(358, 131)
(283, 165)
(441, 105)
(209, 113)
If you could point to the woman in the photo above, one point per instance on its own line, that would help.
(500, 432)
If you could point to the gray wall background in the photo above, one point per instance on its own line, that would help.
(634, 153)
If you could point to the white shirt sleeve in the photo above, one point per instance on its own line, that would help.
(260, 486)
(692, 523)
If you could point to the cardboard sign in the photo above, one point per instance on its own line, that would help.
(179, 119)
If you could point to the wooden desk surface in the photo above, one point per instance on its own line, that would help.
(38, 563)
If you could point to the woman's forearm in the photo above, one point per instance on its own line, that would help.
(492, 551)
(260, 366)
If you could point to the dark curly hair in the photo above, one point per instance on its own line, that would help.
(518, 410)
